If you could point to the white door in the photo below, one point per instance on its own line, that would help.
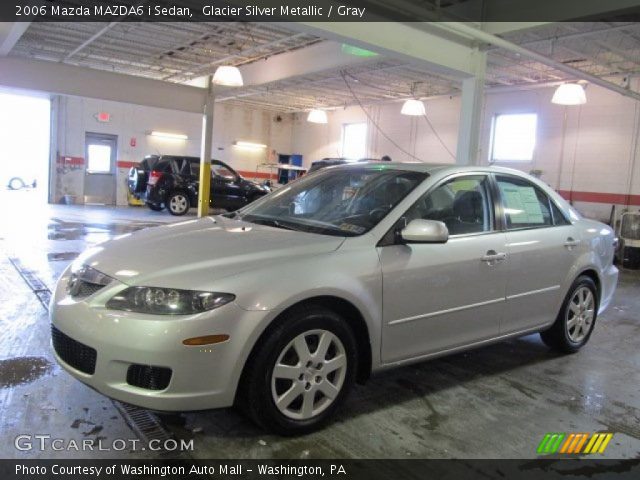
(100, 167)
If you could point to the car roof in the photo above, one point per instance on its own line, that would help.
(430, 168)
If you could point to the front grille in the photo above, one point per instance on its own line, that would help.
(85, 289)
(149, 377)
(74, 353)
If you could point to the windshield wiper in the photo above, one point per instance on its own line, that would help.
(269, 222)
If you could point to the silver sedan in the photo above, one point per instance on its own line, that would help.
(280, 307)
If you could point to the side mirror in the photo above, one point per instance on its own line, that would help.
(425, 231)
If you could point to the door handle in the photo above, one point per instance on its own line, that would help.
(492, 256)
(571, 242)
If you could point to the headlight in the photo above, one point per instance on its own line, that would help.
(167, 301)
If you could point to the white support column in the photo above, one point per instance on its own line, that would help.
(205, 151)
(471, 112)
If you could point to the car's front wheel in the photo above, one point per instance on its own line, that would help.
(178, 203)
(576, 318)
(301, 372)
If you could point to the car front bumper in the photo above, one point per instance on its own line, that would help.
(202, 377)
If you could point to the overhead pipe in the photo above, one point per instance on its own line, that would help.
(481, 36)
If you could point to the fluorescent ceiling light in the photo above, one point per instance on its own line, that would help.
(317, 116)
(413, 107)
(228, 76)
(173, 136)
(569, 94)
(243, 144)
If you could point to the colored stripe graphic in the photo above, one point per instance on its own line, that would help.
(572, 443)
(550, 443)
(598, 443)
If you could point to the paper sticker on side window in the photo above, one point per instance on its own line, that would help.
(522, 204)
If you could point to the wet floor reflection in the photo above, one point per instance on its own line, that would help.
(21, 370)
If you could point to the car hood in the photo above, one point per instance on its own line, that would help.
(195, 253)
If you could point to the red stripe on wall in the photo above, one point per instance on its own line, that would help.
(598, 197)
(126, 164)
(253, 174)
(66, 160)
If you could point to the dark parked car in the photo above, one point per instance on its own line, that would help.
(173, 181)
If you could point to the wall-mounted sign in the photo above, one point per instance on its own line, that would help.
(103, 117)
(133, 141)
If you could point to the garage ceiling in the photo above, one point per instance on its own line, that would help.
(179, 52)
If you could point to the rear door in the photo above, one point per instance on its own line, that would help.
(542, 246)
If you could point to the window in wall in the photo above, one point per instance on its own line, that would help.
(99, 160)
(354, 141)
(513, 137)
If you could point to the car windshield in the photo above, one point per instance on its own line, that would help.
(340, 202)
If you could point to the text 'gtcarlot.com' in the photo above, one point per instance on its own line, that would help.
(45, 442)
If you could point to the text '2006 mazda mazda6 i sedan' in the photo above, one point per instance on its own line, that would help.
(281, 306)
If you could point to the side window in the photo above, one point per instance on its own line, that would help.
(558, 217)
(525, 205)
(222, 171)
(462, 204)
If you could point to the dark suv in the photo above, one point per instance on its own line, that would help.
(173, 181)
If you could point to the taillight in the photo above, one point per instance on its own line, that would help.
(154, 176)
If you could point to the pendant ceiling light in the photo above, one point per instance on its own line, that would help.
(413, 107)
(228, 76)
(317, 116)
(569, 94)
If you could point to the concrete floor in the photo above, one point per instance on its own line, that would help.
(495, 402)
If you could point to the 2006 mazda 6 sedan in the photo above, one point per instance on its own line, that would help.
(281, 306)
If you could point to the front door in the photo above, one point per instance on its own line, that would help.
(437, 297)
(100, 165)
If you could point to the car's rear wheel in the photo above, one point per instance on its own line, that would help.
(178, 203)
(155, 208)
(16, 183)
(301, 372)
(576, 319)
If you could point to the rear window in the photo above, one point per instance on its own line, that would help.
(162, 166)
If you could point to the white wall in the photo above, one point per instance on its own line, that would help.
(403, 137)
(595, 154)
(75, 116)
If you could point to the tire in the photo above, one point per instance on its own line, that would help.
(576, 319)
(16, 183)
(178, 203)
(312, 376)
(155, 208)
(137, 180)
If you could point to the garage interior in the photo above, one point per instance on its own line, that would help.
(146, 87)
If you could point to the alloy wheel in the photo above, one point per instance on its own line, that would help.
(309, 374)
(580, 314)
(178, 203)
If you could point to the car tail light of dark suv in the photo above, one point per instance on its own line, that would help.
(154, 176)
